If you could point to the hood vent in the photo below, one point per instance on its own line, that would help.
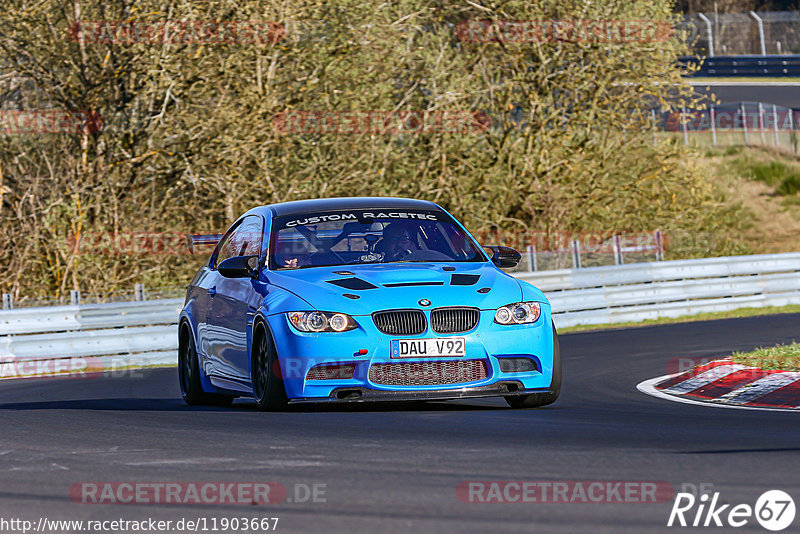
(356, 284)
(464, 279)
(410, 284)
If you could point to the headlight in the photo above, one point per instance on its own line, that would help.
(518, 313)
(321, 321)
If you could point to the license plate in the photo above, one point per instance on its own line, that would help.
(429, 347)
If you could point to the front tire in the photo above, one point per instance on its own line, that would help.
(268, 388)
(536, 400)
(189, 375)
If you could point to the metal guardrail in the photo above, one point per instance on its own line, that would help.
(663, 271)
(43, 341)
(82, 344)
(147, 330)
(669, 289)
(775, 65)
(89, 317)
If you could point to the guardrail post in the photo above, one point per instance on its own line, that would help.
(713, 117)
(710, 34)
(531, 258)
(761, 123)
(685, 126)
(8, 301)
(744, 123)
(760, 32)
(792, 134)
(576, 254)
(139, 293)
(775, 123)
(74, 297)
(617, 244)
(655, 127)
(659, 239)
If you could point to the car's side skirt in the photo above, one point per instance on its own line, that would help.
(230, 384)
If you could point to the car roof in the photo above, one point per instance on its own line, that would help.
(298, 207)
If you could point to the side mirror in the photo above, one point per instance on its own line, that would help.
(239, 267)
(505, 256)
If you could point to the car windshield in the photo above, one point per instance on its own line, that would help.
(369, 237)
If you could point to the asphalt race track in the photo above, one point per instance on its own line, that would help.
(396, 468)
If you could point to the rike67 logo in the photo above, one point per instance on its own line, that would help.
(774, 510)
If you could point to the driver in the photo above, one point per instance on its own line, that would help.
(398, 242)
(286, 257)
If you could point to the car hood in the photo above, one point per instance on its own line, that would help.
(403, 285)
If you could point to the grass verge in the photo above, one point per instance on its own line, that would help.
(741, 312)
(766, 181)
(777, 358)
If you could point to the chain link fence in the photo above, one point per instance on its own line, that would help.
(139, 293)
(592, 250)
(730, 34)
(742, 123)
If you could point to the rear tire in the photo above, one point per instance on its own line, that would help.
(189, 375)
(536, 400)
(268, 388)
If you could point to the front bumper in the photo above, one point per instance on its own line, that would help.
(298, 352)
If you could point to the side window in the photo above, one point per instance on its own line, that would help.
(245, 240)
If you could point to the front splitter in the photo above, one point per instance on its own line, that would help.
(363, 394)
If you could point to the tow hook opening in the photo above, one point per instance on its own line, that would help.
(348, 394)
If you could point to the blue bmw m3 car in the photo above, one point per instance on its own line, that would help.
(362, 299)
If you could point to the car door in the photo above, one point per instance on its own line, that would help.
(209, 335)
(232, 301)
(200, 294)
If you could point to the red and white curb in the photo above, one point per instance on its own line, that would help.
(726, 384)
